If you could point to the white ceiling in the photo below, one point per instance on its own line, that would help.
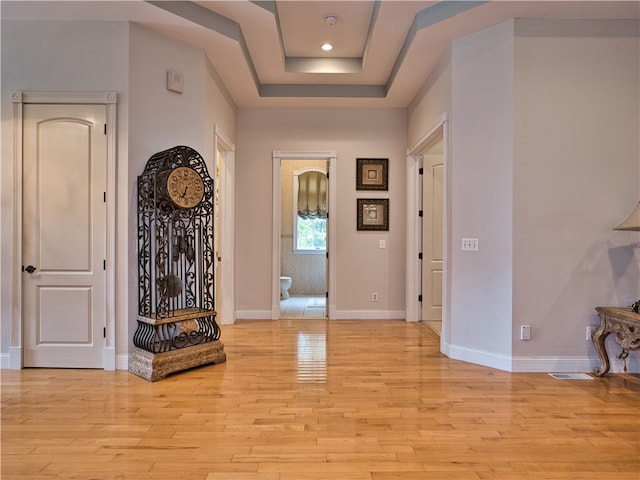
(268, 53)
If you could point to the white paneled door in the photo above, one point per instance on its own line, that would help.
(64, 235)
(432, 234)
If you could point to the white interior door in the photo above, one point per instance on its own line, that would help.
(64, 235)
(432, 233)
(218, 226)
(224, 229)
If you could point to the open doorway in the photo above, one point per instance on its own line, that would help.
(432, 234)
(224, 218)
(302, 235)
(427, 231)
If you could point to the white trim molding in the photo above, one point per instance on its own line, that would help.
(552, 364)
(369, 315)
(487, 359)
(254, 314)
(526, 364)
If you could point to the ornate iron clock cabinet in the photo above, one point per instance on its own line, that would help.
(176, 324)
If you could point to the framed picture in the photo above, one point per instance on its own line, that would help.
(373, 213)
(372, 174)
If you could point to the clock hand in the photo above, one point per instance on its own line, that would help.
(184, 194)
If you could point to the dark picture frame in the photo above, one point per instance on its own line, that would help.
(372, 174)
(373, 214)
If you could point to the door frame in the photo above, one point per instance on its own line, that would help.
(414, 234)
(226, 314)
(330, 157)
(109, 100)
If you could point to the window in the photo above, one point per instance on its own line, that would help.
(311, 234)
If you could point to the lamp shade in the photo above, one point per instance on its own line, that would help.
(633, 222)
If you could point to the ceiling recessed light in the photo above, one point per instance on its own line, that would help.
(326, 47)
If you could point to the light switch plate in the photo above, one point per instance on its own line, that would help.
(469, 244)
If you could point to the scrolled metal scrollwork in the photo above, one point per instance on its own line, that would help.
(175, 258)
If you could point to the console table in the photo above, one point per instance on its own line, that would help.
(625, 325)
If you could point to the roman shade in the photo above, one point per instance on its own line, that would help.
(312, 195)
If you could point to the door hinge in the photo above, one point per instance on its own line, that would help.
(104, 197)
(421, 171)
(105, 128)
(104, 264)
(419, 213)
(327, 255)
(104, 332)
(419, 298)
(326, 294)
(419, 255)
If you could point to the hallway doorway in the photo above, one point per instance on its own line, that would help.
(427, 296)
(432, 234)
(224, 217)
(302, 237)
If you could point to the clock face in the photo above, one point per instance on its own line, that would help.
(185, 187)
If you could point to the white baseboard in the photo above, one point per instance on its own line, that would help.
(109, 358)
(122, 362)
(5, 363)
(333, 314)
(15, 358)
(456, 352)
(516, 364)
(228, 321)
(253, 314)
(537, 364)
(369, 315)
(552, 364)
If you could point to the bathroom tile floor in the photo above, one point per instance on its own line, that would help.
(303, 307)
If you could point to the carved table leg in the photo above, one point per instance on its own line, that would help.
(598, 337)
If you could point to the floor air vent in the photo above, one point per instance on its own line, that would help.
(571, 376)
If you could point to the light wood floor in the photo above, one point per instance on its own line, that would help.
(314, 400)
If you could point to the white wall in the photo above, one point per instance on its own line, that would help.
(544, 161)
(481, 194)
(361, 266)
(161, 119)
(576, 176)
(132, 61)
(53, 56)
(432, 101)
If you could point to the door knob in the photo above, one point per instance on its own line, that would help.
(29, 269)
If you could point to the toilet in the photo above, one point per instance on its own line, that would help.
(285, 284)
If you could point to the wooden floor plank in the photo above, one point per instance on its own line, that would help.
(315, 400)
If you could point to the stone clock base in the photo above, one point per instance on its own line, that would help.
(156, 366)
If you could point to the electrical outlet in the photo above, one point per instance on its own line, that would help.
(374, 297)
(525, 332)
